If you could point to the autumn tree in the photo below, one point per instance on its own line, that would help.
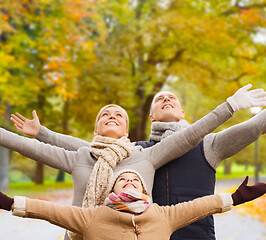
(41, 47)
(151, 43)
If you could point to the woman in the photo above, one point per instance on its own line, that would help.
(127, 212)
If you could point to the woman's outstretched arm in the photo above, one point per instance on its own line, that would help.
(33, 128)
(52, 156)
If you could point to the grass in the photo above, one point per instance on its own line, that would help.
(237, 171)
(31, 189)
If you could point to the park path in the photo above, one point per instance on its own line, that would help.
(233, 226)
(229, 226)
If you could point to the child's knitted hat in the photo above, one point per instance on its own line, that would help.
(128, 171)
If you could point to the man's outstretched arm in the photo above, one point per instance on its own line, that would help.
(222, 145)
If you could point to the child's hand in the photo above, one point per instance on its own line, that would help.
(246, 193)
(6, 202)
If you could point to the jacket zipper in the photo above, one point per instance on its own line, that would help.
(167, 188)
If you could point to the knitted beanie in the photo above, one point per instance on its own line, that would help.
(128, 171)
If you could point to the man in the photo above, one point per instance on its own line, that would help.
(193, 175)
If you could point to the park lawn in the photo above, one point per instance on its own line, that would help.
(30, 189)
(237, 171)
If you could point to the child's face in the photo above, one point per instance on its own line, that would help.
(126, 181)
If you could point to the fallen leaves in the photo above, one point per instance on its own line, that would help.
(255, 208)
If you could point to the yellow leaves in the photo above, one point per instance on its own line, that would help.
(24, 1)
(6, 59)
(4, 76)
(62, 90)
(87, 46)
(62, 73)
(250, 68)
(4, 24)
(255, 208)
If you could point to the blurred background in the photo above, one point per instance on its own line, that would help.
(67, 59)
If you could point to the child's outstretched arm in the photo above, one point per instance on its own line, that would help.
(199, 208)
(72, 218)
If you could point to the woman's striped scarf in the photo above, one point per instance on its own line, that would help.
(129, 201)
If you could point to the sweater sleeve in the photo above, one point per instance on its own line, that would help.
(52, 156)
(71, 218)
(182, 141)
(60, 140)
(219, 146)
(185, 213)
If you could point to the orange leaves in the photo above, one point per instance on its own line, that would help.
(62, 73)
(256, 208)
(249, 18)
(78, 9)
(251, 15)
(4, 17)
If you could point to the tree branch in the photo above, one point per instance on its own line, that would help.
(236, 8)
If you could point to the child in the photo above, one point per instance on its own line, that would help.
(128, 213)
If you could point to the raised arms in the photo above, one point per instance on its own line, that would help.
(43, 134)
(224, 144)
(182, 141)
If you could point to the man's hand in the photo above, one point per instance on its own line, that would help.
(243, 98)
(26, 126)
(246, 193)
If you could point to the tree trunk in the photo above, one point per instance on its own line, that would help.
(4, 162)
(5, 155)
(39, 172)
(227, 167)
(65, 126)
(138, 132)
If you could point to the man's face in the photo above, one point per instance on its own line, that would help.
(112, 123)
(126, 181)
(166, 108)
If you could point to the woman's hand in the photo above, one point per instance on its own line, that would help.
(243, 98)
(26, 126)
